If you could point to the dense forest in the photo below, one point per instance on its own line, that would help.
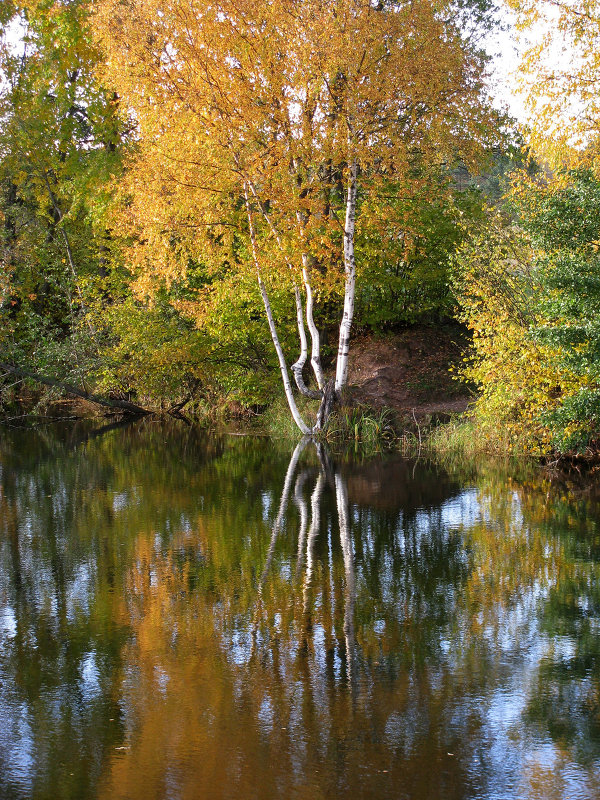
(201, 204)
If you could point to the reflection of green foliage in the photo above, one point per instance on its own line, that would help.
(144, 557)
(566, 702)
(541, 544)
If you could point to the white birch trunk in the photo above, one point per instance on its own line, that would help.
(310, 319)
(298, 366)
(315, 359)
(277, 345)
(341, 374)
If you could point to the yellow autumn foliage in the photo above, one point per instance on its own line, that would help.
(560, 70)
(520, 380)
(280, 98)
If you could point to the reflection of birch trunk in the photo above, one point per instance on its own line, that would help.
(341, 496)
(283, 504)
(285, 497)
(308, 534)
(315, 523)
(302, 507)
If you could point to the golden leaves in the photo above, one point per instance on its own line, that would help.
(279, 96)
(560, 73)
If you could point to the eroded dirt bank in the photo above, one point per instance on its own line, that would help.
(410, 370)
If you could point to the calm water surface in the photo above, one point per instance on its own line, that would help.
(192, 617)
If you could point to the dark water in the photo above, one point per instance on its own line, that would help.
(169, 628)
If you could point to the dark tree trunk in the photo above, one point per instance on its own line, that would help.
(122, 405)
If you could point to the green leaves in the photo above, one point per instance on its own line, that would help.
(535, 314)
(60, 140)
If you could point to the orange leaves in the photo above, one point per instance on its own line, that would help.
(280, 94)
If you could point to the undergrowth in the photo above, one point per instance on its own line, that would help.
(372, 429)
(460, 443)
(463, 445)
(278, 422)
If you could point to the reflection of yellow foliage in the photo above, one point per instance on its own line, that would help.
(179, 733)
(201, 725)
(554, 780)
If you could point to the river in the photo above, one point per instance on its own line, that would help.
(193, 616)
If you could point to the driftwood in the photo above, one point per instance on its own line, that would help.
(121, 405)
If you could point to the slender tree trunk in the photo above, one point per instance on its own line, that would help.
(59, 215)
(59, 218)
(122, 405)
(310, 320)
(298, 366)
(341, 375)
(276, 343)
(326, 406)
(315, 359)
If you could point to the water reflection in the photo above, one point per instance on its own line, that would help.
(183, 616)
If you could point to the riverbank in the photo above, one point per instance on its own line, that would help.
(402, 391)
(402, 386)
(407, 372)
(403, 395)
(411, 372)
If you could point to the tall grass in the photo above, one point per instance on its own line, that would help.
(460, 444)
(374, 430)
(463, 445)
(278, 422)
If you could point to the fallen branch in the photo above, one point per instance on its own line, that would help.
(122, 405)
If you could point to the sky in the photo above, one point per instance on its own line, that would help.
(505, 50)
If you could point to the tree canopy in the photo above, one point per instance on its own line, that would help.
(264, 128)
(561, 73)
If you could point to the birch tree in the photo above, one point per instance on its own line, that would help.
(262, 126)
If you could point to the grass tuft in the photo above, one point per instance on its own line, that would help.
(374, 430)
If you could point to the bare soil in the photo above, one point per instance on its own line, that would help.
(410, 371)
